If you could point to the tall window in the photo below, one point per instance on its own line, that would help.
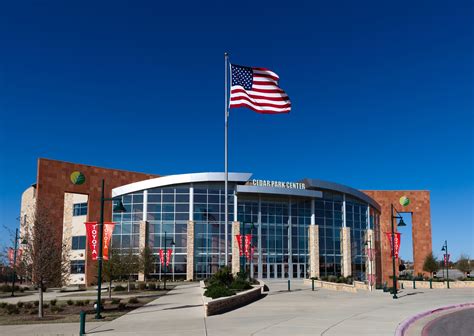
(77, 266)
(79, 209)
(78, 242)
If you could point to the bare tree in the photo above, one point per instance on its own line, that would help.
(131, 263)
(43, 253)
(147, 262)
(113, 268)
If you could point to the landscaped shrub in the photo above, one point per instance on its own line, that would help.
(80, 303)
(33, 311)
(19, 304)
(133, 300)
(119, 288)
(86, 302)
(152, 286)
(115, 301)
(53, 302)
(223, 277)
(142, 286)
(332, 278)
(3, 304)
(69, 302)
(132, 286)
(216, 291)
(240, 284)
(28, 305)
(56, 309)
(121, 306)
(45, 305)
(36, 303)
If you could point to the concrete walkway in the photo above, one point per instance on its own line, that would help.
(299, 312)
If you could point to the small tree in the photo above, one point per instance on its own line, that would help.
(431, 264)
(130, 265)
(113, 268)
(147, 262)
(463, 264)
(43, 253)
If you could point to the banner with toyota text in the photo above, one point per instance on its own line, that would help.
(239, 244)
(162, 256)
(168, 256)
(396, 241)
(248, 243)
(108, 229)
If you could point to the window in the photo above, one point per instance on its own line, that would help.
(77, 266)
(79, 209)
(78, 242)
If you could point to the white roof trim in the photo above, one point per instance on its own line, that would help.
(179, 179)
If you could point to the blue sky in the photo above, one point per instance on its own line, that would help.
(382, 94)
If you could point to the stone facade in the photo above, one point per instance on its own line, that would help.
(346, 268)
(313, 244)
(142, 243)
(235, 248)
(421, 226)
(370, 264)
(190, 251)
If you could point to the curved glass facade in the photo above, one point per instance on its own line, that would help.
(278, 224)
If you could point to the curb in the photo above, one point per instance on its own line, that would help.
(403, 327)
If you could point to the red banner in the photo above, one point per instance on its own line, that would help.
(168, 256)
(371, 279)
(108, 229)
(371, 254)
(162, 256)
(248, 243)
(396, 241)
(92, 230)
(11, 256)
(446, 259)
(239, 244)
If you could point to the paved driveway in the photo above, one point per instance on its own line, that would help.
(299, 312)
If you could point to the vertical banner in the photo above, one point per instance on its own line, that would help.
(396, 241)
(371, 279)
(168, 256)
(11, 255)
(371, 254)
(108, 229)
(92, 231)
(446, 259)
(248, 243)
(162, 257)
(239, 243)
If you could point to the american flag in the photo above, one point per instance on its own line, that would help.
(257, 89)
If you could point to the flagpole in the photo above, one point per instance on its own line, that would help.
(226, 112)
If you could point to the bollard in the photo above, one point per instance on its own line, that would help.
(401, 284)
(312, 286)
(82, 325)
(431, 283)
(414, 286)
(288, 285)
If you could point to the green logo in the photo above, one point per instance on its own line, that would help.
(404, 201)
(78, 178)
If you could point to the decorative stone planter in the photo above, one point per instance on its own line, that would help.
(357, 285)
(225, 304)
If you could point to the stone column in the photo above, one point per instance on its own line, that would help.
(190, 251)
(370, 256)
(346, 251)
(142, 243)
(313, 236)
(235, 248)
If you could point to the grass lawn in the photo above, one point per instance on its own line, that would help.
(64, 311)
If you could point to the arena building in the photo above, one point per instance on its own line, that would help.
(300, 229)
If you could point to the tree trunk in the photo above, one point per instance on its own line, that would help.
(110, 289)
(40, 306)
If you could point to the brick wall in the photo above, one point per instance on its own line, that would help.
(421, 221)
(53, 181)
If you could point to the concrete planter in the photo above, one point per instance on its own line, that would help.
(436, 285)
(357, 285)
(225, 304)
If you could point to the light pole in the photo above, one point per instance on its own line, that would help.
(118, 208)
(166, 258)
(14, 259)
(369, 257)
(400, 223)
(446, 260)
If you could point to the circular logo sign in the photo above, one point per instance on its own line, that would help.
(78, 177)
(404, 201)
